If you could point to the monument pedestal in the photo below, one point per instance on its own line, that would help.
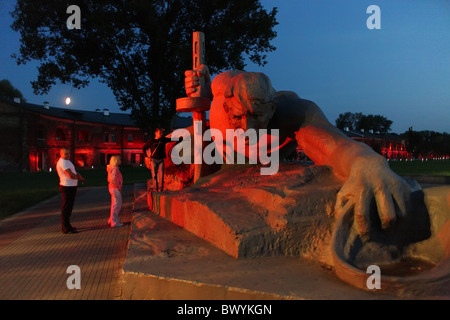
(238, 235)
(166, 262)
(246, 214)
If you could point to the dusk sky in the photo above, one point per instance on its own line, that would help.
(325, 53)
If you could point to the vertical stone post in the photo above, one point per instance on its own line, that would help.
(198, 103)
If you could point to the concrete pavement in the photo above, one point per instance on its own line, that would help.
(35, 254)
(115, 263)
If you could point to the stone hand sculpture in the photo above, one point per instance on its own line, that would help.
(247, 100)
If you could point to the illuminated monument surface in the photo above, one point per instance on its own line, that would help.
(347, 211)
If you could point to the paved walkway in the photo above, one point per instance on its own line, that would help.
(35, 254)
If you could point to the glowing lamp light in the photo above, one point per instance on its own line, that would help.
(67, 101)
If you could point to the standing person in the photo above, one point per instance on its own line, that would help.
(68, 183)
(155, 149)
(115, 186)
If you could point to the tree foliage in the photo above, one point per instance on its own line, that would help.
(348, 120)
(140, 49)
(359, 121)
(8, 91)
(427, 143)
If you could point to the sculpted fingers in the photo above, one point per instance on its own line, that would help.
(342, 207)
(386, 208)
(343, 203)
(362, 210)
(191, 81)
(191, 90)
(190, 73)
(400, 199)
(203, 71)
(190, 76)
(402, 194)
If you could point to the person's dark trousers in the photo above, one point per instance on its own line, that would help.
(158, 173)
(68, 199)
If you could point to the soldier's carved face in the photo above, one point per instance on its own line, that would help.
(256, 118)
(249, 101)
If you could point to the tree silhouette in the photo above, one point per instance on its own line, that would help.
(359, 121)
(8, 91)
(140, 49)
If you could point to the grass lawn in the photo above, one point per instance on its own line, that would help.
(418, 167)
(19, 191)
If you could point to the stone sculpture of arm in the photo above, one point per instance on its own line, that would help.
(192, 80)
(365, 173)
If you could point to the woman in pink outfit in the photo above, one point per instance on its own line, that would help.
(115, 186)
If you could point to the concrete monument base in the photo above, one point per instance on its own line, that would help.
(246, 214)
(166, 262)
(238, 235)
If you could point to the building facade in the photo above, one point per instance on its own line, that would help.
(32, 135)
(390, 146)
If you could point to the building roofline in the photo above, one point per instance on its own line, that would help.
(104, 116)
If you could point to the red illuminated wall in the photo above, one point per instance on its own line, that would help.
(90, 144)
(31, 141)
(389, 148)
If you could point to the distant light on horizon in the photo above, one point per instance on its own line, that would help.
(67, 100)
